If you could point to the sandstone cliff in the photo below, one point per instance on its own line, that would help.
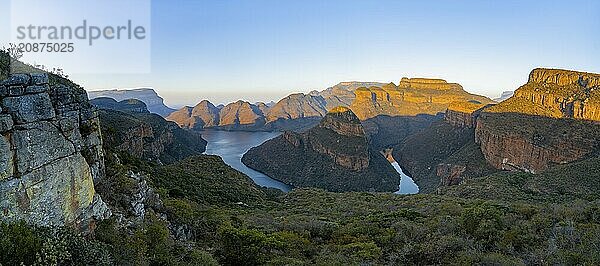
(464, 114)
(550, 120)
(334, 155)
(410, 98)
(557, 93)
(50, 153)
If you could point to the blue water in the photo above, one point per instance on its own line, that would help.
(231, 146)
(407, 185)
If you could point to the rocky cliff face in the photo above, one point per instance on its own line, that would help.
(334, 155)
(464, 114)
(410, 98)
(550, 120)
(50, 153)
(513, 141)
(154, 102)
(557, 93)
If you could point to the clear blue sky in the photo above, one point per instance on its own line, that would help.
(263, 50)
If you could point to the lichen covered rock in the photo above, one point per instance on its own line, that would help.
(50, 154)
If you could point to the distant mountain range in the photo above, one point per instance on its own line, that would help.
(301, 111)
(504, 96)
(154, 102)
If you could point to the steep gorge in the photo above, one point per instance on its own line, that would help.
(335, 155)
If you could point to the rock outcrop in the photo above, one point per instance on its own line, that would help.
(514, 141)
(334, 155)
(50, 153)
(553, 119)
(153, 101)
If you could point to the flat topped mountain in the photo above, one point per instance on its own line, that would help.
(550, 120)
(410, 97)
(130, 105)
(154, 102)
(334, 155)
(564, 77)
(556, 93)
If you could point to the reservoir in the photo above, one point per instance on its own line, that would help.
(231, 146)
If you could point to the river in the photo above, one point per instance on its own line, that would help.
(231, 146)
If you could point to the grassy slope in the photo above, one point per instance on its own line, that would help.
(561, 183)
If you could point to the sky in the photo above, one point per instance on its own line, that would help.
(262, 50)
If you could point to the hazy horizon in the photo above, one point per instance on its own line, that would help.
(263, 50)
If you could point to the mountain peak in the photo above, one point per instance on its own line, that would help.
(343, 121)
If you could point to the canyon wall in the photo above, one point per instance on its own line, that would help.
(553, 119)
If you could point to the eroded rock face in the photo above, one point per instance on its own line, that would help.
(464, 114)
(557, 93)
(553, 119)
(149, 136)
(411, 97)
(50, 154)
(512, 141)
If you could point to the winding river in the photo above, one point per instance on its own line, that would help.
(231, 146)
